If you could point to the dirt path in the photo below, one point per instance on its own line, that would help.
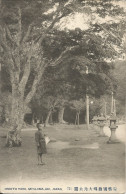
(77, 154)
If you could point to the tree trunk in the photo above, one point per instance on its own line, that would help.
(18, 111)
(47, 118)
(78, 118)
(125, 109)
(33, 119)
(17, 120)
(41, 119)
(60, 115)
(50, 118)
(85, 118)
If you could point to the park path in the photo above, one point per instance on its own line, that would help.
(72, 157)
(120, 131)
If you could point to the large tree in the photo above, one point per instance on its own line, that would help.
(23, 28)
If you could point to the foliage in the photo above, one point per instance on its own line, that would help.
(32, 39)
(120, 95)
(77, 105)
(120, 74)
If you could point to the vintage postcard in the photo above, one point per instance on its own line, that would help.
(62, 96)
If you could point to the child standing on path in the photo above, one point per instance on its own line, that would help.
(40, 143)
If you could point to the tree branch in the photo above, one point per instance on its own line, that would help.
(110, 33)
(35, 82)
(26, 74)
(6, 48)
(59, 59)
(56, 19)
(27, 33)
(9, 35)
(19, 25)
(112, 49)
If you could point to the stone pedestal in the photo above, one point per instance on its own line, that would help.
(113, 138)
(101, 134)
(101, 123)
(95, 127)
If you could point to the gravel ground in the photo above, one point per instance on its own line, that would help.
(75, 155)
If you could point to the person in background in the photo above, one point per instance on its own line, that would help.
(40, 143)
(13, 138)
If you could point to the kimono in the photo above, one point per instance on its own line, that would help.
(41, 144)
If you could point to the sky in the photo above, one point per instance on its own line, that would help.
(82, 20)
(78, 20)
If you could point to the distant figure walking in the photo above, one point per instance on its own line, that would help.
(40, 143)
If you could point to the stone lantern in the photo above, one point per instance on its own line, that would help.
(101, 123)
(113, 127)
(95, 120)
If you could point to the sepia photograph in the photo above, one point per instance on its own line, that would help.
(63, 96)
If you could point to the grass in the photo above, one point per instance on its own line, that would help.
(65, 163)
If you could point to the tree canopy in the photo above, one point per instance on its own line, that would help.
(34, 37)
